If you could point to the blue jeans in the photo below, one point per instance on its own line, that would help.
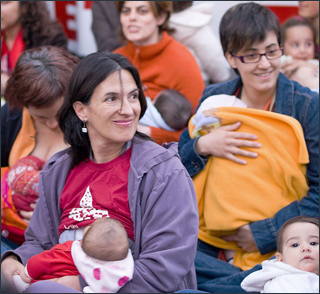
(217, 276)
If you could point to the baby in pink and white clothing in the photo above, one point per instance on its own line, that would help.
(103, 258)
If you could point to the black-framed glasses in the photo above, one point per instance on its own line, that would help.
(253, 58)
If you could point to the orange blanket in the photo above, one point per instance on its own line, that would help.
(231, 195)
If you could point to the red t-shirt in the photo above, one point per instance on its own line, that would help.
(96, 190)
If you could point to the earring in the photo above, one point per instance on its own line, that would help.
(84, 128)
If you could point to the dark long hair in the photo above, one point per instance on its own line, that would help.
(89, 73)
(38, 28)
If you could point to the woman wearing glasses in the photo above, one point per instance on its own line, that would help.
(250, 37)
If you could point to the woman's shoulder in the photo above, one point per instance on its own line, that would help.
(286, 85)
(147, 155)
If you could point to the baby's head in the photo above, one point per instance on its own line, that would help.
(106, 239)
(298, 38)
(298, 243)
(174, 108)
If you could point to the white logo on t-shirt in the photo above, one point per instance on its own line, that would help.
(87, 211)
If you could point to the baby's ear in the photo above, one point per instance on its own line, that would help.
(279, 256)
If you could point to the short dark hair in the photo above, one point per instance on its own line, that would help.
(293, 22)
(247, 23)
(89, 73)
(297, 219)
(40, 77)
(174, 108)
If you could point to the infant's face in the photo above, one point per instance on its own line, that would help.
(299, 43)
(301, 247)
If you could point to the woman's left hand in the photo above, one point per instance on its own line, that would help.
(244, 239)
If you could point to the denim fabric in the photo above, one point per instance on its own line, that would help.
(293, 100)
(217, 276)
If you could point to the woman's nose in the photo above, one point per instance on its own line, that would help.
(125, 107)
(52, 123)
(264, 62)
(132, 15)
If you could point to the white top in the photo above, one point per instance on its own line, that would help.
(193, 29)
(279, 277)
(153, 118)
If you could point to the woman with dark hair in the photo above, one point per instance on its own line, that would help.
(162, 62)
(36, 89)
(242, 225)
(111, 170)
(25, 25)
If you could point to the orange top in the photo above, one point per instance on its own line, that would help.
(25, 141)
(166, 65)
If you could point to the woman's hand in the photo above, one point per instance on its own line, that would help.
(225, 143)
(244, 239)
(26, 215)
(11, 266)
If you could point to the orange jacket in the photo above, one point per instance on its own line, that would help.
(166, 65)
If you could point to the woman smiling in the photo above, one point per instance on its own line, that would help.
(111, 170)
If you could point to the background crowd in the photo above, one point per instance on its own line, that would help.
(111, 135)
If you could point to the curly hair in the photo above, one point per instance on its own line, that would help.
(38, 27)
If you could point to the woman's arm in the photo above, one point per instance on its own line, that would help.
(10, 266)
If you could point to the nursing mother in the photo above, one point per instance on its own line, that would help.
(162, 62)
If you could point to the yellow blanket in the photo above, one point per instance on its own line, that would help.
(231, 195)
